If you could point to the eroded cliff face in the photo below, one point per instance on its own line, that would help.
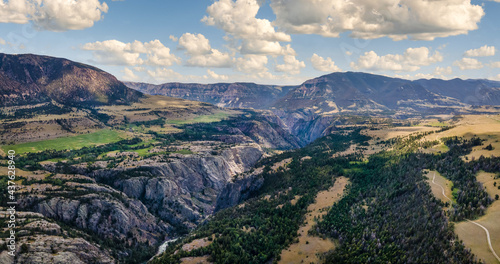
(140, 202)
(184, 190)
(41, 240)
(97, 208)
(239, 189)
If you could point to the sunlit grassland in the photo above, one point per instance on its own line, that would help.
(217, 117)
(104, 136)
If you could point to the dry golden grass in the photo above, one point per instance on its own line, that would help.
(153, 102)
(197, 243)
(292, 202)
(195, 260)
(48, 128)
(474, 236)
(43, 127)
(349, 151)
(247, 230)
(284, 163)
(19, 172)
(40, 118)
(436, 149)
(435, 187)
(488, 180)
(384, 133)
(479, 151)
(484, 126)
(141, 111)
(392, 132)
(308, 247)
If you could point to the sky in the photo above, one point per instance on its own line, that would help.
(263, 41)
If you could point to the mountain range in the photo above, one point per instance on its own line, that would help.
(309, 110)
(27, 79)
(337, 93)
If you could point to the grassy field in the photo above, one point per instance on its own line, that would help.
(143, 152)
(392, 132)
(439, 148)
(306, 250)
(217, 117)
(474, 236)
(195, 260)
(436, 189)
(486, 127)
(75, 142)
(438, 124)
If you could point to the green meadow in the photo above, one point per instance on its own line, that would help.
(104, 136)
(217, 117)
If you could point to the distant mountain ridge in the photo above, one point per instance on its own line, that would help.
(313, 108)
(28, 79)
(243, 95)
(473, 92)
(338, 92)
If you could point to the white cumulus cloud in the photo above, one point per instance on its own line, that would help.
(495, 64)
(215, 58)
(238, 19)
(262, 47)
(194, 44)
(252, 64)
(215, 76)
(290, 66)
(114, 52)
(468, 64)
(173, 38)
(201, 54)
(164, 74)
(411, 60)
(129, 75)
(53, 15)
(326, 65)
(397, 19)
(484, 51)
(441, 71)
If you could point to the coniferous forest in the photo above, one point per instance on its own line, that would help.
(387, 215)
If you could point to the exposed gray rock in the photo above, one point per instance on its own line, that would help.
(43, 249)
(185, 190)
(42, 241)
(110, 216)
(239, 189)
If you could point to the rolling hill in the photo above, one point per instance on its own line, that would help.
(27, 79)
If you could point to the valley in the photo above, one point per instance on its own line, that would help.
(329, 171)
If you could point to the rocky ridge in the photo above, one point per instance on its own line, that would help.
(28, 79)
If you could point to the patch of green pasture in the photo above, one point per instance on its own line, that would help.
(143, 152)
(217, 117)
(104, 136)
(439, 124)
(184, 151)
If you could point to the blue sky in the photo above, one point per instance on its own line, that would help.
(273, 41)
